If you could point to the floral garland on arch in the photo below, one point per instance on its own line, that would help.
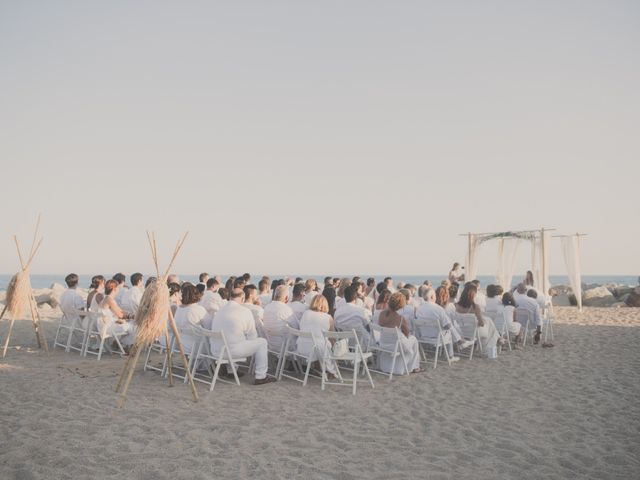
(531, 236)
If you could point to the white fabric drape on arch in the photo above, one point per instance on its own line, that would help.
(538, 245)
(571, 253)
(507, 248)
(471, 257)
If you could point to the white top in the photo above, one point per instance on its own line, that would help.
(349, 316)
(481, 300)
(237, 324)
(120, 295)
(72, 300)
(257, 312)
(308, 298)
(131, 299)
(277, 316)
(211, 301)
(316, 323)
(493, 304)
(530, 304)
(298, 309)
(430, 311)
(265, 299)
(409, 313)
(189, 315)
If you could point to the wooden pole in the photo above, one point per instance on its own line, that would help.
(132, 367)
(123, 374)
(35, 316)
(6, 342)
(468, 257)
(544, 261)
(169, 358)
(183, 357)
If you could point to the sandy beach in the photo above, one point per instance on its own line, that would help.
(567, 412)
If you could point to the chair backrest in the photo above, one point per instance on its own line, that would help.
(216, 339)
(468, 324)
(389, 337)
(350, 335)
(298, 333)
(427, 325)
(523, 316)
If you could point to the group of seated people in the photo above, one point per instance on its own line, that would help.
(255, 319)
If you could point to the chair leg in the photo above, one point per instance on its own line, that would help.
(355, 375)
(435, 357)
(101, 348)
(215, 375)
(69, 337)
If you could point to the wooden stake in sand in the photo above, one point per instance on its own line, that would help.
(20, 294)
(151, 322)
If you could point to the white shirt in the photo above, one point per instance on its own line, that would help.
(120, 295)
(211, 301)
(315, 323)
(409, 314)
(265, 299)
(257, 312)
(189, 315)
(277, 316)
(131, 299)
(493, 304)
(480, 300)
(531, 304)
(72, 300)
(237, 324)
(308, 298)
(349, 316)
(430, 310)
(298, 309)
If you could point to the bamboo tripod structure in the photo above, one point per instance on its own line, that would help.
(130, 365)
(35, 316)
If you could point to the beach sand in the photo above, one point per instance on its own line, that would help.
(572, 411)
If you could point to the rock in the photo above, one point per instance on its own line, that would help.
(618, 305)
(45, 307)
(56, 291)
(620, 292)
(42, 295)
(598, 297)
(633, 300)
(572, 300)
(561, 300)
(3, 296)
(559, 290)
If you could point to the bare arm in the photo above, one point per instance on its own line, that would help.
(478, 312)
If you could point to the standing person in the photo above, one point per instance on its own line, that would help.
(238, 326)
(456, 274)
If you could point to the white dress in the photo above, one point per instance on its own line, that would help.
(513, 326)
(108, 321)
(316, 323)
(411, 353)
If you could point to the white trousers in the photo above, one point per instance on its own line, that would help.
(256, 348)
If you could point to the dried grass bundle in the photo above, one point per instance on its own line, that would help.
(153, 313)
(18, 293)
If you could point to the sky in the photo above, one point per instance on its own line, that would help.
(317, 137)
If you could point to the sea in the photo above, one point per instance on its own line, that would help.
(45, 281)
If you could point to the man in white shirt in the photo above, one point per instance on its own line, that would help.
(122, 288)
(238, 326)
(211, 299)
(264, 292)
(430, 310)
(132, 297)
(350, 316)
(277, 316)
(71, 302)
(531, 304)
(203, 278)
(298, 305)
(388, 281)
(251, 303)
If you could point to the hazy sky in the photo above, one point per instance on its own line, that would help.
(317, 137)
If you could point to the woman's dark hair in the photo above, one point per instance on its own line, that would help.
(201, 288)
(468, 296)
(149, 281)
(528, 279)
(110, 286)
(174, 288)
(371, 282)
(190, 294)
(384, 297)
(71, 280)
(492, 290)
(380, 287)
(96, 280)
(453, 290)
(224, 293)
(119, 277)
(330, 294)
(229, 284)
(507, 299)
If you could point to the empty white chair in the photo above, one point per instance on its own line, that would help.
(355, 355)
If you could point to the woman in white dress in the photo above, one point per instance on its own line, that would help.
(317, 320)
(390, 318)
(509, 315)
(96, 289)
(489, 336)
(112, 316)
(381, 305)
(189, 313)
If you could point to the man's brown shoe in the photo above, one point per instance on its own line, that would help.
(264, 380)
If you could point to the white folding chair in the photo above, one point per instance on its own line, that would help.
(429, 332)
(356, 356)
(158, 347)
(205, 350)
(547, 322)
(468, 324)
(104, 329)
(388, 344)
(523, 317)
(296, 357)
(72, 322)
(502, 326)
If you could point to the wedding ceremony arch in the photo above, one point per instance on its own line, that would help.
(508, 244)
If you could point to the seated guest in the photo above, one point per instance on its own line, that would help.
(330, 294)
(252, 303)
(238, 326)
(481, 299)
(211, 300)
(202, 279)
(494, 298)
(413, 301)
(422, 290)
(96, 292)
(298, 303)
(344, 284)
(315, 321)
(264, 293)
(112, 314)
(149, 281)
(187, 314)
(431, 310)
(122, 288)
(408, 311)
(277, 316)
(173, 278)
(523, 300)
(489, 336)
(71, 301)
(310, 290)
(444, 300)
(174, 296)
(391, 319)
(370, 289)
(509, 314)
(381, 305)
(131, 299)
(350, 316)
